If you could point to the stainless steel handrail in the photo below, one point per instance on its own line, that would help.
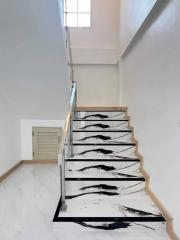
(66, 145)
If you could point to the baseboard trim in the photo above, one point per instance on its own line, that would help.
(40, 161)
(14, 168)
(101, 108)
(10, 171)
(163, 210)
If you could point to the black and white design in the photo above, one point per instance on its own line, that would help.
(104, 152)
(105, 137)
(105, 189)
(103, 169)
(101, 115)
(101, 125)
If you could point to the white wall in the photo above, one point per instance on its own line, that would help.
(9, 137)
(151, 89)
(33, 69)
(95, 55)
(133, 15)
(33, 74)
(91, 92)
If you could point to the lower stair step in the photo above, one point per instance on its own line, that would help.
(100, 201)
(117, 230)
(103, 169)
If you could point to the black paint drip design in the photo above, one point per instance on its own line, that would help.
(140, 212)
(99, 150)
(100, 186)
(100, 167)
(97, 137)
(98, 193)
(113, 226)
(102, 116)
(105, 168)
(99, 125)
(106, 152)
(108, 226)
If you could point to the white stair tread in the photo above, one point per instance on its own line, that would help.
(100, 205)
(136, 231)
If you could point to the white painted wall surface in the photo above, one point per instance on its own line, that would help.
(97, 48)
(133, 15)
(9, 137)
(151, 89)
(26, 134)
(33, 74)
(97, 85)
(33, 68)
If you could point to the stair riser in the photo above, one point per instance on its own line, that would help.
(98, 152)
(122, 188)
(106, 115)
(102, 169)
(100, 125)
(105, 137)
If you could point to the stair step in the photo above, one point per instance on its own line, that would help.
(99, 120)
(100, 125)
(104, 152)
(101, 160)
(104, 144)
(95, 201)
(102, 137)
(103, 169)
(103, 131)
(101, 115)
(121, 230)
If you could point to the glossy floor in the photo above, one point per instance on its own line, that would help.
(28, 199)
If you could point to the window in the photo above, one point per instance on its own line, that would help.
(78, 13)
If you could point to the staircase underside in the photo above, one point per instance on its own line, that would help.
(105, 188)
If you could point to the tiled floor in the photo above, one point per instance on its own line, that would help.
(28, 199)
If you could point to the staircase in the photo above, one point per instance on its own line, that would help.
(105, 194)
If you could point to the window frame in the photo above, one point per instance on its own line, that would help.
(77, 15)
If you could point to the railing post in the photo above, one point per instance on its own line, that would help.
(62, 182)
(71, 136)
(75, 104)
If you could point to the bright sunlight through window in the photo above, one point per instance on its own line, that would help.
(78, 13)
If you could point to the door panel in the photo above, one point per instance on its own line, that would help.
(46, 143)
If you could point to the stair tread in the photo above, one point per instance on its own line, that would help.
(133, 231)
(132, 207)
